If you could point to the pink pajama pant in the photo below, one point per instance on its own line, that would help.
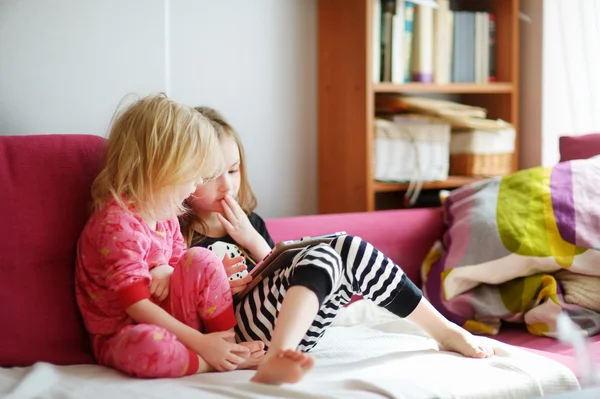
(199, 296)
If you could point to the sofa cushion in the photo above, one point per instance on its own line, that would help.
(45, 182)
(579, 147)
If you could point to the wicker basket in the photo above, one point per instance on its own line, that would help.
(481, 164)
(482, 153)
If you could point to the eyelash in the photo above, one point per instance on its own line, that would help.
(233, 171)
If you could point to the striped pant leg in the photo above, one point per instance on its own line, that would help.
(257, 312)
(363, 270)
(375, 276)
(328, 259)
(354, 266)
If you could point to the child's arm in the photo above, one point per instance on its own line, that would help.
(214, 348)
(238, 226)
(161, 275)
(178, 242)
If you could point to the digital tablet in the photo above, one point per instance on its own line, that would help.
(281, 256)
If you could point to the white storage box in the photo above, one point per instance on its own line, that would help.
(410, 149)
(482, 142)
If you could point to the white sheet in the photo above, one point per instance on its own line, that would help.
(382, 358)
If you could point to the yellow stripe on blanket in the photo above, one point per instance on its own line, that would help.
(539, 329)
(526, 221)
(434, 254)
(519, 294)
(549, 290)
(478, 327)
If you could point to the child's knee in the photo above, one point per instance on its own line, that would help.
(327, 249)
(202, 261)
(143, 337)
(137, 348)
(347, 238)
(325, 257)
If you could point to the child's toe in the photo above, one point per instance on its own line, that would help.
(308, 361)
(489, 351)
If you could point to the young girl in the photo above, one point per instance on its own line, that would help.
(293, 308)
(152, 308)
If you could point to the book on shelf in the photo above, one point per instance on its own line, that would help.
(386, 40)
(421, 67)
(414, 41)
(406, 56)
(442, 53)
(398, 45)
(376, 40)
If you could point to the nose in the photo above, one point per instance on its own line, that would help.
(224, 183)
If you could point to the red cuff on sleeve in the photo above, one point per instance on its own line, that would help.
(133, 294)
(194, 363)
(223, 322)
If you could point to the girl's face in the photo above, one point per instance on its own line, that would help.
(208, 197)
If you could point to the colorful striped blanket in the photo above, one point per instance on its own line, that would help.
(521, 248)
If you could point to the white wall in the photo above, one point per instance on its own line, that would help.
(256, 62)
(569, 92)
(66, 64)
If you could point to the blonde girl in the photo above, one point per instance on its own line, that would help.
(293, 308)
(151, 307)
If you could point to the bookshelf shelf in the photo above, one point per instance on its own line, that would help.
(451, 88)
(451, 182)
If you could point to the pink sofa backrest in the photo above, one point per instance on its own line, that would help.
(404, 235)
(45, 188)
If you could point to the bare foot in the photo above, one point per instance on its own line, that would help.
(287, 366)
(460, 340)
(253, 358)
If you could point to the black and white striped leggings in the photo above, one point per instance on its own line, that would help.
(346, 266)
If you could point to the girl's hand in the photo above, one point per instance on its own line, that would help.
(159, 287)
(233, 266)
(236, 223)
(256, 355)
(220, 353)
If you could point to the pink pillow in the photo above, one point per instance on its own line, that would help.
(579, 147)
(45, 183)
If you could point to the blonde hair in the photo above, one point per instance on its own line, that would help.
(155, 145)
(246, 197)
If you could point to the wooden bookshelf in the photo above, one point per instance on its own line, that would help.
(346, 98)
(451, 88)
(451, 182)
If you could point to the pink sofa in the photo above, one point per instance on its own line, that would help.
(45, 183)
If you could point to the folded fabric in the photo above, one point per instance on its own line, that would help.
(505, 240)
(580, 289)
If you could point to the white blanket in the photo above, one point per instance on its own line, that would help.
(382, 357)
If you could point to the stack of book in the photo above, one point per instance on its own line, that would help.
(430, 43)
